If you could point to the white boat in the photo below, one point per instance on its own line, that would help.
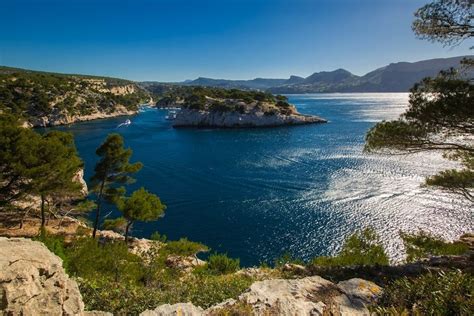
(126, 123)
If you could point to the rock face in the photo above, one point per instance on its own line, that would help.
(310, 296)
(307, 296)
(33, 281)
(199, 118)
(181, 309)
(60, 118)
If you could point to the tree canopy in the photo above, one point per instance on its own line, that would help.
(36, 165)
(445, 21)
(440, 116)
(140, 206)
(16, 159)
(112, 172)
(57, 162)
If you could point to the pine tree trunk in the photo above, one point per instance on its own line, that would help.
(97, 214)
(43, 215)
(126, 230)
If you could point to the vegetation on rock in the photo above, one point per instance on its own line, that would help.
(442, 293)
(360, 249)
(31, 94)
(424, 245)
(225, 100)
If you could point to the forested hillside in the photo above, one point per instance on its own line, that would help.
(44, 99)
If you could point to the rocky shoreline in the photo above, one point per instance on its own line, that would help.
(216, 119)
(65, 119)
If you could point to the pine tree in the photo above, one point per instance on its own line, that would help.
(440, 116)
(57, 163)
(140, 206)
(111, 172)
(17, 157)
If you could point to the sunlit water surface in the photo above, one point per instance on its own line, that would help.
(258, 193)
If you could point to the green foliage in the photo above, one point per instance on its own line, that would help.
(237, 309)
(424, 245)
(219, 99)
(140, 206)
(439, 117)
(111, 261)
(117, 224)
(221, 264)
(17, 158)
(443, 293)
(55, 244)
(111, 172)
(30, 94)
(129, 299)
(184, 247)
(360, 249)
(33, 164)
(57, 162)
(445, 21)
(158, 237)
(110, 278)
(287, 258)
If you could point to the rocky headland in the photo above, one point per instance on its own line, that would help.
(221, 108)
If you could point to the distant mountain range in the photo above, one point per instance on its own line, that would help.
(396, 77)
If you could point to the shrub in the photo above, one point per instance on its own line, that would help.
(117, 225)
(126, 298)
(184, 247)
(362, 248)
(443, 293)
(287, 258)
(55, 244)
(222, 264)
(111, 261)
(423, 245)
(158, 237)
(206, 291)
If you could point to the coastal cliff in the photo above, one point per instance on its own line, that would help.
(48, 99)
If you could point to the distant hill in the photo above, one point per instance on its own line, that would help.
(395, 77)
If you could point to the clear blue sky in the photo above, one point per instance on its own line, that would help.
(173, 40)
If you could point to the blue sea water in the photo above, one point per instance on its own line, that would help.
(258, 193)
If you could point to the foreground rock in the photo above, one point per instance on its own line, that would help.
(33, 281)
(182, 309)
(307, 296)
(201, 118)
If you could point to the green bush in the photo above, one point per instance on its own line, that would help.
(222, 264)
(362, 248)
(117, 224)
(158, 237)
(55, 244)
(423, 245)
(287, 258)
(184, 247)
(111, 261)
(449, 293)
(126, 298)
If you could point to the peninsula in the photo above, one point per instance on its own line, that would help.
(221, 108)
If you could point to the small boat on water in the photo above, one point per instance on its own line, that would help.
(126, 123)
(171, 115)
